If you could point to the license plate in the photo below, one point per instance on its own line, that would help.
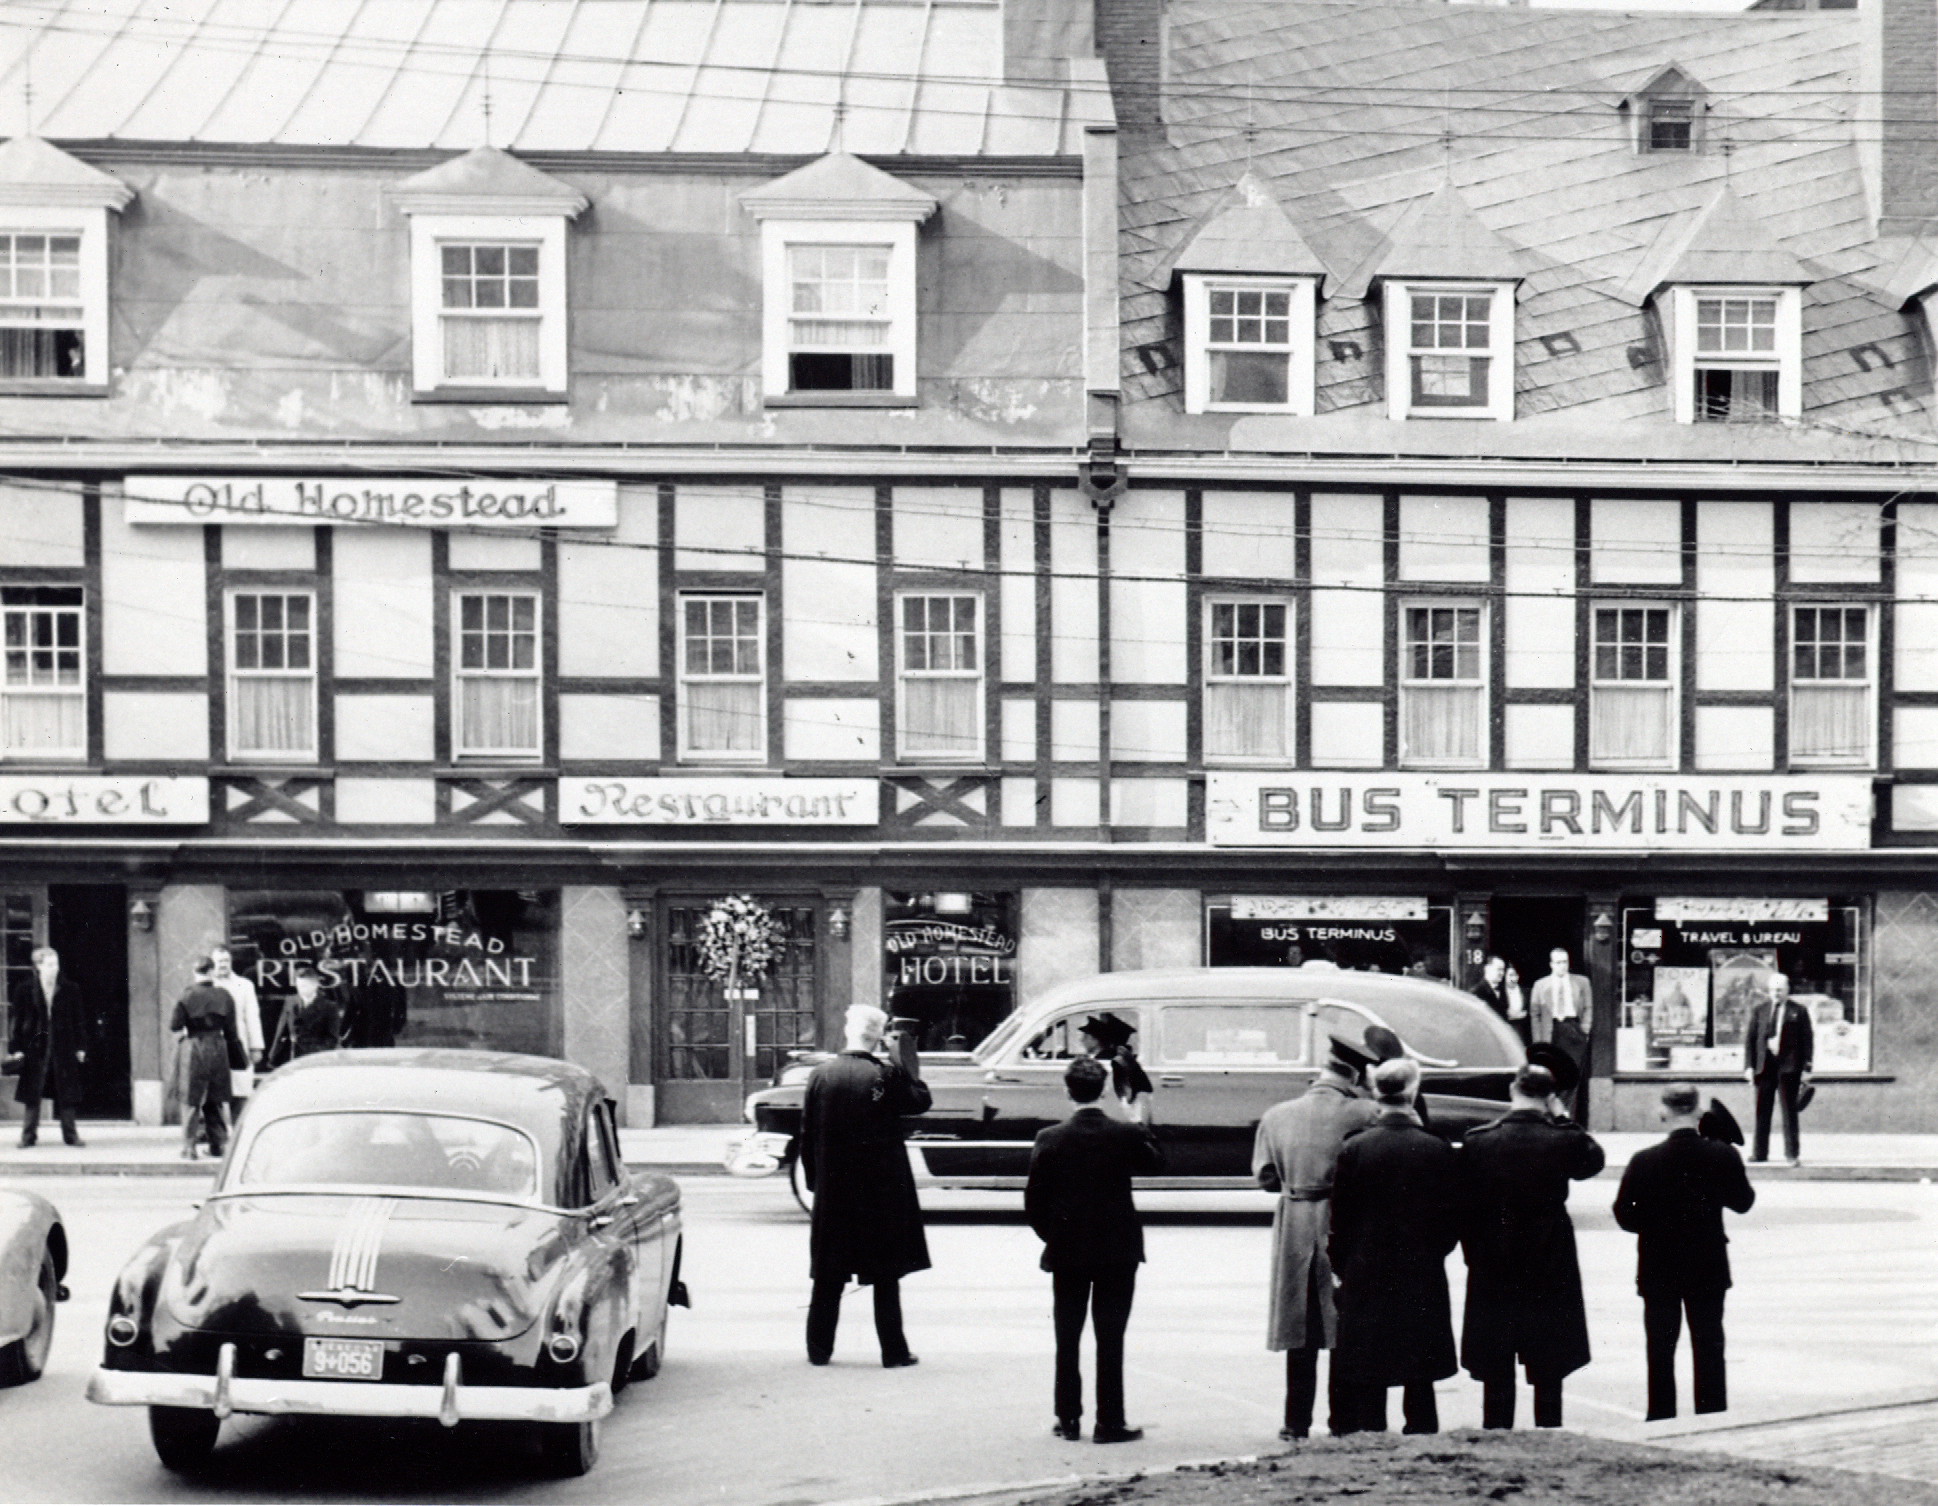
(342, 1359)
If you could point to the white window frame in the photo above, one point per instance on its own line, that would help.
(687, 752)
(978, 675)
(1398, 311)
(1483, 686)
(1867, 757)
(1786, 361)
(1298, 349)
(776, 236)
(236, 675)
(1671, 757)
(77, 752)
(429, 233)
(1286, 680)
(460, 752)
(1647, 104)
(91, 225)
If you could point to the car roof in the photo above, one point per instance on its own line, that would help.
(534, 1093)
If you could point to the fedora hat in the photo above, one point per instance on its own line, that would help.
(1107, 1030)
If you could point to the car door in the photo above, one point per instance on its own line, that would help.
(1219, 1065)
(1023, 1091)
(638, 1227)
(609, 1223)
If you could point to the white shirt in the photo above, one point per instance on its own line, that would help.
(248, 1010)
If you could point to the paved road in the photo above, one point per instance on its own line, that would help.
(1837, 1305)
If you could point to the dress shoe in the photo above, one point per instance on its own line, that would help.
(1291, 1435)
(897, 1364)
(76, 1141)
(27, 1142)
(819, 1359)
(1068, 1427)
(1118, 1434)
(1793, 1161)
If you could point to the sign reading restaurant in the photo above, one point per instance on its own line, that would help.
(102, 800)
(1596, 811)
(410, 502)
(718, 802)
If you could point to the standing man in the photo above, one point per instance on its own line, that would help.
(1779, 1049)
(1079, 1202)
(204, 1022)
(1562, 1010)
(1395, 1219)
(1500, 990)
(1672, 1199)
(867, 1222)
(248, 1010)
(1523, 1279)
(49, 1033)
(1294, 1155)
(310, 1022)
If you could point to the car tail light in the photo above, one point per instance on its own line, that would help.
(123, 1330)
(563, 1347)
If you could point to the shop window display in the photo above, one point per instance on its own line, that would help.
(950, 963)
(1366, 933)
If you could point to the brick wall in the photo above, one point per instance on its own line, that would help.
(1909, 57)
(1130, 36)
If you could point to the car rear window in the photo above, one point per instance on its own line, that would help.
(1440, 1035)
(374, 1149)
(1232, 1035)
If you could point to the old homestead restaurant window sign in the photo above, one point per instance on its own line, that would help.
(1369, 932)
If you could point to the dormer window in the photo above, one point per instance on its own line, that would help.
(1670, 124)
(1248, 344)
(1667, 113)
(54, 216)
(1450, 349)
(1738, 354)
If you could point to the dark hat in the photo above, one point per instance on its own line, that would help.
(1383, 1043)
(1718, 1123)
(1804, 1096)
(1107, 1030)
(1561, 1066)
(1349, 1054)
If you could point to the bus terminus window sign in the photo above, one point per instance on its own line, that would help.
(1599, 811)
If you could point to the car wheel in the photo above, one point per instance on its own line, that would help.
(625, 1367)
(26, 1358)
(797, 1179)
(184, 1437)
(568, 1449)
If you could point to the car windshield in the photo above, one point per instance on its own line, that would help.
(369, 1148)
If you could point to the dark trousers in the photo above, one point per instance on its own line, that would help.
(210, 1118)
(824, 1313)
(1365, 1408)
(1302, 1390)
(1662, 1322)
(1106, 1297)
(1497, 1401)
(1772, 1085)
(1569, 1037)
(30, 1122)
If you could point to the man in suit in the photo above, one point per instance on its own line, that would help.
(49, 1034)
(1078, 1201)
(1561, 1010)
(1779, 1049)
(1395, 1219)
(1294, 1154)
(1672, 1199)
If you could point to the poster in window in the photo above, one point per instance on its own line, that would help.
(1679, 1010)
(1741, 982)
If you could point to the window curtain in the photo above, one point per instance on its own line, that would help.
(941, 715)
(1242, 721)
(724, 717)
(1631, 724)
(1831, 722)
(491, 349)
(1441, 723)
(49, 724)
(274, 715)
(498, 714)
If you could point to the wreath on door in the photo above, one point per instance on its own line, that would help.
(739, 940)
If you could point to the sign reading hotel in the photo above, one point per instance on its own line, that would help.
(1606, 812)
(718, 802)
(102, 800)
(408, 502)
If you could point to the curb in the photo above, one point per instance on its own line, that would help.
(207, 1168)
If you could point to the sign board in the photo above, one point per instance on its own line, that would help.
(403, 501)
(1684, 908)
(1577, 812)
(1327, 907)
(102, 800)
(728, 801)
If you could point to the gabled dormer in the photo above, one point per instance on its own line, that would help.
(1668, 113)
(54, 212)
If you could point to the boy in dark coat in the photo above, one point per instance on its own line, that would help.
(867, 1222)
(48, 1033)
(1523, 1279)
(1079, 1202)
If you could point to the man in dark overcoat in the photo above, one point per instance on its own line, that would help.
(1523, 1279)
(1395, 1219)
(1078, 1200)
(1672, 1199)
(1779, 1049)
(867, 1222)
(1293, 1154)
(48, 1033)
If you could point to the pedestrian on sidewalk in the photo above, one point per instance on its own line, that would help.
(1561, 1010)
(1395, 1219)
(48, 1036)
(310, 1022)
(1524, 1298)
(1672, 1199)
(867, 1221)
(1294, 1154)
(248, 1018)
(1779, 1049)
(204, 1021)
(1078, 1200)
(1500, 990)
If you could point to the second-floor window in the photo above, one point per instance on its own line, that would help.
(43, 693)
(1632, 715)
(498, 675)
(1248, 344)
(489, 313)
(1248, 680)
(941, 710)
(272, 675)
(1830, 686)
(723, 678)
(840, 325)
(1443, 685)
(1450, 350)
(1738, 354)
(42, 316)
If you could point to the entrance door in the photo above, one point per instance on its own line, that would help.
(17, 942)
(715, 1050)
(87, 924)
(1526, 928)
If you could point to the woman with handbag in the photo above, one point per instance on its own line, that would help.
(205, 1024)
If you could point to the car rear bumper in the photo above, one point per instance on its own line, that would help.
(449, 1404)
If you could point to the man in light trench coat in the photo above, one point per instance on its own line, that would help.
(1298, 1143)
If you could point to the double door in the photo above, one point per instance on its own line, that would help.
(87, 925)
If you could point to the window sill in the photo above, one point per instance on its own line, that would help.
(917, 766)
(693, 764)
(53, 387)
(509, 397)
(485, 764)
(1488, 415)
(842, 400)
(256, 768)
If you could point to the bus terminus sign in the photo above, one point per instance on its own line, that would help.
(1596, 811)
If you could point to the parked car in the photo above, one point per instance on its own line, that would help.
(33, 1259)
(447, 1234)
(1221, 1045)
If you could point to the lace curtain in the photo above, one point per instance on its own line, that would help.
(723, 717)
(49, 724)
(1831, 723)
(1242, 721)
(941, 715)
(1630, 724)
(273, 715)
(497, 714)
(497, 350)
(1441, 724)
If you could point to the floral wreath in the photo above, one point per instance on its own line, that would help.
(739, 938)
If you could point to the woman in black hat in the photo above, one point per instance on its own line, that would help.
(1107, 1038)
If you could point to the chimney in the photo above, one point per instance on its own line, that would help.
(1900, 64)
(1130, 36)
(1041, 36)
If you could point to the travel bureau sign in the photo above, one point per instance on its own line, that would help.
(1608, 812)
(409, 502)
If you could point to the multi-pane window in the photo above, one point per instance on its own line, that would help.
(41, 310)
(1670, 123)
(490, 312)
(1248, 345)
(941, 713)
(840, 323)
(272, 674)
(723, 679)
(1738, 354)
(1632, 690)
(1248, 680)
(1450, 347)
(43, 699)
(1443, 685)
(498, 674)
(1830, 685)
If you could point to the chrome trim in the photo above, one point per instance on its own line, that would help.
(447, 1403)
(225, 1375)
(350, 1297)
(279, 1398)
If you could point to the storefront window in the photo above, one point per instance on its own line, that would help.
(1694, 968)
(1372, 933)
(465, 968)
(950, 964)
